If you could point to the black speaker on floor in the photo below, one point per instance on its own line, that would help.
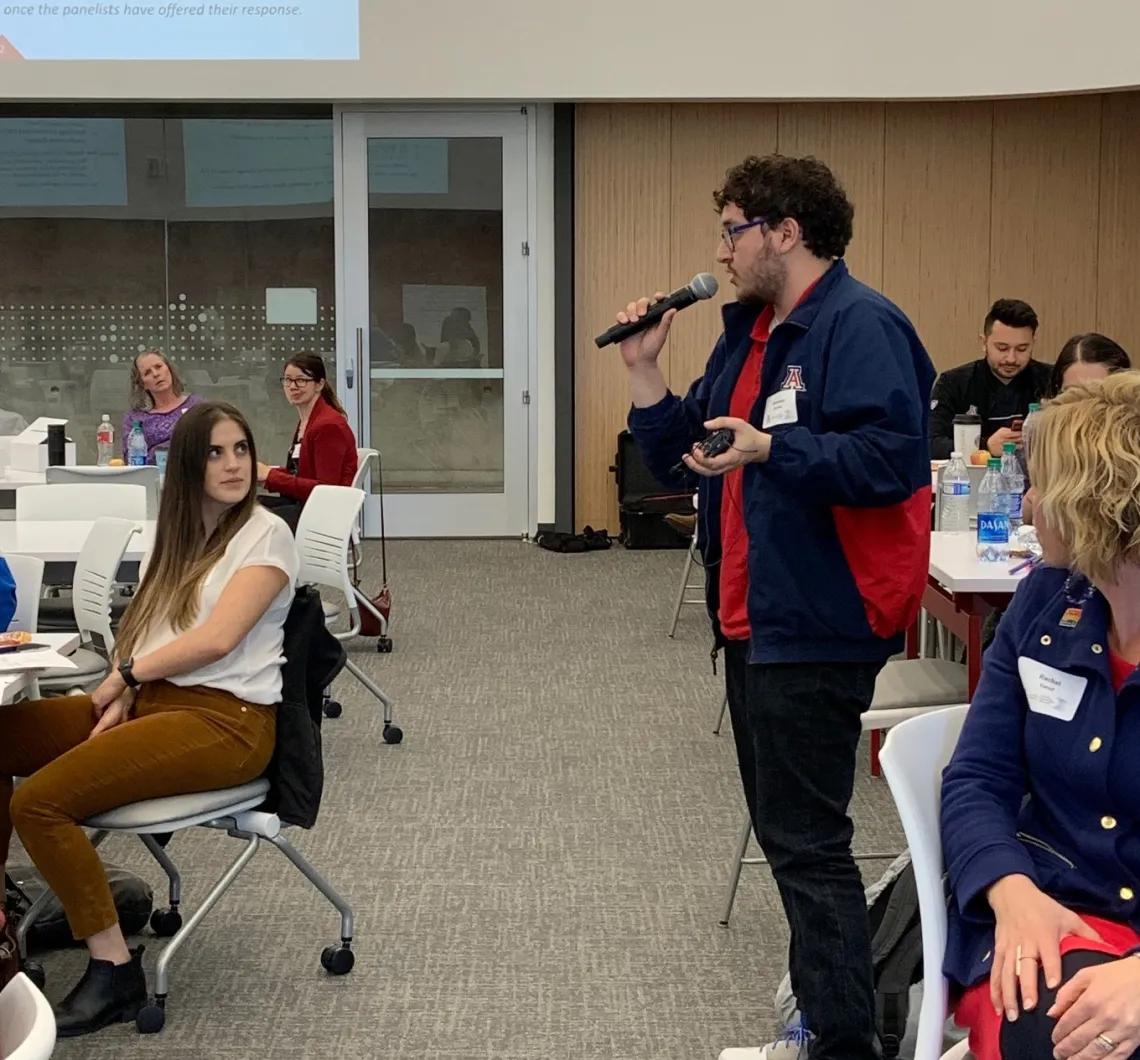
(643, 503)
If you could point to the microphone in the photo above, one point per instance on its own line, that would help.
(702, 286)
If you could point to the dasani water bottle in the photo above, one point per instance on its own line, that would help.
(993, 516)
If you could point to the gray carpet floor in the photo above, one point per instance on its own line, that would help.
(537, 871)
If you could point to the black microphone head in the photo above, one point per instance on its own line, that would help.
(703, 285)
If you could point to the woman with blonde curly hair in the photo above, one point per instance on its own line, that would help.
(1041, 800)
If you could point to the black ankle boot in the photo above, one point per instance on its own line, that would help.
(107, 993)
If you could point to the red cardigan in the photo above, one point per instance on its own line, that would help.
(328, 456)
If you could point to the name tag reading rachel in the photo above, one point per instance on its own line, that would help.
(1049, 690)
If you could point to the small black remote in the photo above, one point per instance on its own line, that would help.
(718, 442)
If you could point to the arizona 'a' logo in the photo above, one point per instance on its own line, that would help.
(794, 380)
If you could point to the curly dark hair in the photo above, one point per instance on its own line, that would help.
(776, 187)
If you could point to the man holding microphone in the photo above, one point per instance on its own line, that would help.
(815, 531)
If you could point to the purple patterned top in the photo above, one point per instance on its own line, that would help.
(157, 426)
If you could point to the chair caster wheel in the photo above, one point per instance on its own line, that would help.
(151, 1018)
(337, 960)
(393, 734)
(35, 972)
(166, 923)
(333, 709)
(384, 645)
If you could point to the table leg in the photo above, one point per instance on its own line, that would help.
(974, 653)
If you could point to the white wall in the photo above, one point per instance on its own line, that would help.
(660, 49)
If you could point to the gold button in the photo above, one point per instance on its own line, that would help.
(1126, 894)
(1095, 744)
(1108, 823)
(1046, 640)
(1097, 649)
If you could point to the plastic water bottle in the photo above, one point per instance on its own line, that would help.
(136, 446)
(105, 441)
(1014, 482)
(993, 516)
(955, 495)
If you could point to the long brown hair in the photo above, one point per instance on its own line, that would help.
(182, 555)
(141, 401)
(313, 365)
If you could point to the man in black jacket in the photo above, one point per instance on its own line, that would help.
(999, 387)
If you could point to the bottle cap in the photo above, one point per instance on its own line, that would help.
(955, 455)
(994, 462)
(1009, 447)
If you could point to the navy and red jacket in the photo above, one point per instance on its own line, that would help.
(838, 517)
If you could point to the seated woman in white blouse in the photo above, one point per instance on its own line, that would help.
(190, 705)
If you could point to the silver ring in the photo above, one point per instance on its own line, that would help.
(1105, 1042)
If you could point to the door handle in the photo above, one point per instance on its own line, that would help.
(360, 382)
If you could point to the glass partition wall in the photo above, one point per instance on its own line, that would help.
(211, 239)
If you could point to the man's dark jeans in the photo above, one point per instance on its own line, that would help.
(797, 729)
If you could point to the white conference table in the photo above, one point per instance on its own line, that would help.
(12, 480)
(961, 591)
(15, 683)
(60, 540)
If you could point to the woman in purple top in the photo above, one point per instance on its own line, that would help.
(158, 400)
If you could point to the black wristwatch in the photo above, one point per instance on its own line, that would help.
(127, 673)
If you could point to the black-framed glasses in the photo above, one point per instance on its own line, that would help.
(728, 234)
(296, 381)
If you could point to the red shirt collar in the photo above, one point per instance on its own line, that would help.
(763, 326)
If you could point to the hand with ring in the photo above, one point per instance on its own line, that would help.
(1098, 1013)
(1027, 937)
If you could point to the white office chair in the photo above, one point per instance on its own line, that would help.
(28, 574)
(147, 477)
(872, 720)
(81, 501)
(232, 810)
(324, 533)
(27, 1023)
(364, 458)
(913, 759)
(94, 584)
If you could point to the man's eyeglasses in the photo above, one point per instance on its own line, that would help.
(296, 381)
(729, 233)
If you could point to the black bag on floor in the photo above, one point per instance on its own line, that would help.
(643, 503)
(896, 952)
(134, 901)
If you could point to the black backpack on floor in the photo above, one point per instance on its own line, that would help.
(896, 950)
(134, 901)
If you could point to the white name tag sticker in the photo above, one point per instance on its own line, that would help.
(780, 408)
(297, 451)
(1049, 690)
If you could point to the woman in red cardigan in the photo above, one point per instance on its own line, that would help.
(323, 449)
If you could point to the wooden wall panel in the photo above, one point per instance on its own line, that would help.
(1118, 293)
(623, 237)
(849, 138)
(1043, 235)
(955, 204)
(707, 140)
(936, 224)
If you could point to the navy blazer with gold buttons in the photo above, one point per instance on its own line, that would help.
(1029, 792)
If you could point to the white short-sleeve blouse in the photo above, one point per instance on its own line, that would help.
(252, 671)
